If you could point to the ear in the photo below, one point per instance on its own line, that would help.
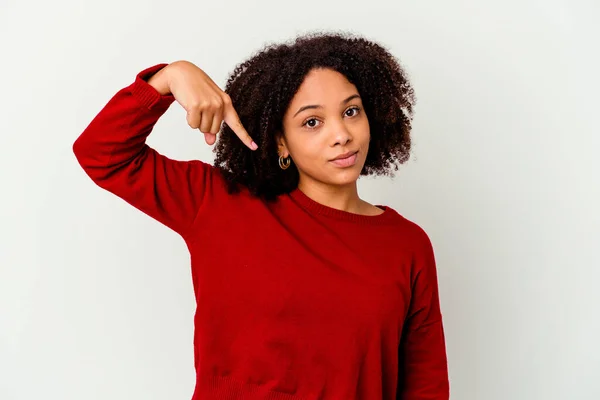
(282, 145)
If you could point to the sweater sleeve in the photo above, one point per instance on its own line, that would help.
(423, 361)
(112, 150)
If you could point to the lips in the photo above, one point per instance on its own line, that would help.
(345, 160)
(345, 155)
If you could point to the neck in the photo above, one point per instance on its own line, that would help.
(344, 198)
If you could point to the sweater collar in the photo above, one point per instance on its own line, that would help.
(314, 207)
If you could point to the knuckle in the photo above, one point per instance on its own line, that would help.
(217, 104)
(226, 99)
(195, 106)
(201, 104)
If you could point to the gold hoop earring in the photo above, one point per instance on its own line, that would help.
(284, 163)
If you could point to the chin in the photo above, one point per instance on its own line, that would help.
(336, 176)
(344, 177)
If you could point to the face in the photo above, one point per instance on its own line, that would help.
(326, 130)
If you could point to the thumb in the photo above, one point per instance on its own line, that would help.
(210, 138)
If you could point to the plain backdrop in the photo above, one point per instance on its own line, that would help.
(96, 298)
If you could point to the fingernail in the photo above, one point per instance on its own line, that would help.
(253, 145)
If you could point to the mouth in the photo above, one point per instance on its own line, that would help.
(345, 160)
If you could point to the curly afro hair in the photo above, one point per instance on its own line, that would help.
(262, 87)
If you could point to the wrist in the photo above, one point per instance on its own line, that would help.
(160, 81)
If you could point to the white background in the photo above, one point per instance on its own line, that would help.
(96, 298)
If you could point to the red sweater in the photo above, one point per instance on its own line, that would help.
(295, 300)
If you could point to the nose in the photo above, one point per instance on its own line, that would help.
(341, 135)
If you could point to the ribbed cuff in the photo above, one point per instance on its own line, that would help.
(146, 94)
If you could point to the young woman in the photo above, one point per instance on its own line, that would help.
(304, 291)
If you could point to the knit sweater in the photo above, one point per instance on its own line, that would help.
(295, 300)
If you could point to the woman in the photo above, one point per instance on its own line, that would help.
(303, 289)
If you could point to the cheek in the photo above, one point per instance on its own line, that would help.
(308, 154)
(362, 133)
(366, 127)
(306, 145)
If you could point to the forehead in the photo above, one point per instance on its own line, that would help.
(321, 85)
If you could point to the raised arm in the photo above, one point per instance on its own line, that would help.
(113, 152)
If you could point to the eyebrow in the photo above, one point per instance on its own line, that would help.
(311, 106)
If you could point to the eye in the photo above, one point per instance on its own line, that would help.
(352, 111)
(311, 123)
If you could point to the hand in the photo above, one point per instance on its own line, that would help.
(207, 106)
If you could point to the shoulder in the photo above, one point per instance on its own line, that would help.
(410, 232)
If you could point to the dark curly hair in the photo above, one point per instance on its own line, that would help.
(262, 88)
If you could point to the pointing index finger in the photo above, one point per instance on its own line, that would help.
(233, 120)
